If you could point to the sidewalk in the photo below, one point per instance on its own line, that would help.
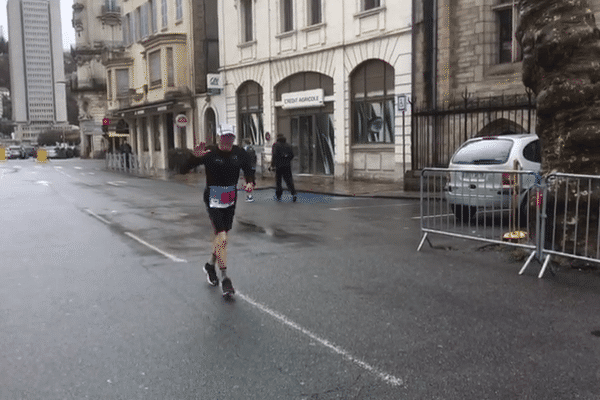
(318, 185)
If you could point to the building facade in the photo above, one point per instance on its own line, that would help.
(97, 25)
(468, 79)
(332, 77)
(155, 80)
(36, 68)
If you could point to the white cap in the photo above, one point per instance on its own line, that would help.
(225, 129)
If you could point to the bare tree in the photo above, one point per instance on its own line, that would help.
(561, 64)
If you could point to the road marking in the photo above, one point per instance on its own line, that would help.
(381, 205)
(45, 183)
(384, 376)
(93, 214)
(164, 253)
(116, 183)
(78, 167)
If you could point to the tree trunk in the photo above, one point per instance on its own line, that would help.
(561, 64)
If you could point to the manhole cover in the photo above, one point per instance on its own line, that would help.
(596, 333)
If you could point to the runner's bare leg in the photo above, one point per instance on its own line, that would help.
(220, 251)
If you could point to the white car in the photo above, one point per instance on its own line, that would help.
(15, 152)
(473, 186)
(51, 151)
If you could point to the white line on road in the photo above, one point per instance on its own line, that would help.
(164, 253)
(93, 214)
(390, 379)
(381, 205)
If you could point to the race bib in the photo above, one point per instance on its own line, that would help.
(221, 196)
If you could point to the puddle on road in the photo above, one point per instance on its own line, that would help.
(275, 233)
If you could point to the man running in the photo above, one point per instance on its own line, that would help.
(222, 163)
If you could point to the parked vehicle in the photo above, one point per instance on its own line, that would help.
(51, 151)
(15, 152)
(30, 151)
(469, 191)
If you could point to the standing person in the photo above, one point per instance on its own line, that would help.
(282, 162)
(126, 151)
(222, 163)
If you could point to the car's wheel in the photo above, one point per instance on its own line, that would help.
(464, 213)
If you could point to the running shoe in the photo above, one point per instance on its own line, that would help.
(294, 198)
(228, 289)
(249, 198)
(211, 274)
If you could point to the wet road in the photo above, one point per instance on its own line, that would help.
(102, 297)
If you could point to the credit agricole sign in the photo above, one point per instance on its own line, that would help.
(307, 98)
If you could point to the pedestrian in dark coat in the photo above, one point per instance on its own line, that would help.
(282, 162)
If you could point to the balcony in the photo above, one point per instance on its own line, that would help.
(110, 15)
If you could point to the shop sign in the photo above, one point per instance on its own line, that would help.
(214, 81)
(305, 99)
(181, 121)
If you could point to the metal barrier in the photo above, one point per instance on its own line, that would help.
(559, 216)
(490, 206)
(570, 223)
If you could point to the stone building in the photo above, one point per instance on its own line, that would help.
(97, 25)
(156, 78)
(467, 79)
(331, 76)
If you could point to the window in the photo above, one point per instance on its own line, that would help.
(287, 16)
(154, 69)
(134, 33)
(369, 4)
(156, 132)
(122, 82)
(153, 25)
(509, 50)
(373, 103)
(178, 10)
(250, 106)
(143, 12)
(164, 13)
(127, 30)
(314, 12)
(143, 132)
(247, 31)
(109, 85)
(170, 70)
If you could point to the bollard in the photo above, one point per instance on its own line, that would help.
(2, 154)
(42, 155)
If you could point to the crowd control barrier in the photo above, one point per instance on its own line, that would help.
(570, 218)
(492, 206)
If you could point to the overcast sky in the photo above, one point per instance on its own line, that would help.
(66, 14)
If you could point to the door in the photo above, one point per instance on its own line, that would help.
(312, 142)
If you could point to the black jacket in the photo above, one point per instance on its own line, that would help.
(282, 155)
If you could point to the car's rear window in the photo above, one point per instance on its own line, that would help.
(487, 152)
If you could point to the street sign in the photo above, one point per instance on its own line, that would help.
(401, 102)
(181, 121)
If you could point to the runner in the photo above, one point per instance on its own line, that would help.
(222, 163)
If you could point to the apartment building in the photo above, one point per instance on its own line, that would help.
(97, 25)
(36, 68)
(155, 80)
(333, 77)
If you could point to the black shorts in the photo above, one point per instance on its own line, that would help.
(221, 218)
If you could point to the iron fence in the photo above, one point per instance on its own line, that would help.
(437, 133)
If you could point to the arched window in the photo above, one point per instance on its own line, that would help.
(372, 85)
(250, 113)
